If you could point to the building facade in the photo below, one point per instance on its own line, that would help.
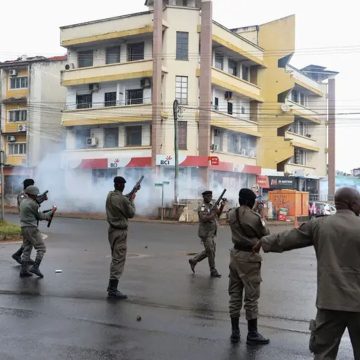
(31, 104)
(244, 110)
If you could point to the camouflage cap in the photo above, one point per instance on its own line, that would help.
(32, 190)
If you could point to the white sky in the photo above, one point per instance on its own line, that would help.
(326, 35)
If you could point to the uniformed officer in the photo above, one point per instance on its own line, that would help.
(336, 241)
(244, 281)
(29, 218)
(119, 208)
(207, 232)
(21, 196)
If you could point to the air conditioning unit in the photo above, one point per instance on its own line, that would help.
(13, 72)
(285, 107)
(21, 128)
(228, 95)
(91, 141)
(11, 138)
(69, 66)
(214, 147)
(93, 87)
(145, 83)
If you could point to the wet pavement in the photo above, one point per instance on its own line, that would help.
(183, 316)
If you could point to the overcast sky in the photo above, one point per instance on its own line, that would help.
(326, 35)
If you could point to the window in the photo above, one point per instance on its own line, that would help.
(182, 135)
(135, 51)
(113, 55)
(230, 108)
(135, 96)
(84, 101)
(133, 135)
(245, 73)
(294, 96)
(300, 156)
(17, 149)
(219, 61)
(233, 143)
(111, 137)
(232, 67)
(110, 98)
(81, 136)
(17, 115)
(218, 140)
(18, 82)
(85, 58)
(216, 103)
(181, 91)
(182, 45)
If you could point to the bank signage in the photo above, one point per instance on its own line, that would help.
(281, 182)
(165, 160)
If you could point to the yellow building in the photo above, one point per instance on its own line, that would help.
(244, 110)
(31, 103)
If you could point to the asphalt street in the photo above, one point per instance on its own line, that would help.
(170, 313)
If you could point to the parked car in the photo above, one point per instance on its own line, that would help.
(319, 208)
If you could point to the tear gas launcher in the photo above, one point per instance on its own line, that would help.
(136, 188)
(217, 202)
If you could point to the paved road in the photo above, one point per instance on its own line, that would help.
(184, 316)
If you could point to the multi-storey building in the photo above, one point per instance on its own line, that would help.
(244, 109)
(32, 100)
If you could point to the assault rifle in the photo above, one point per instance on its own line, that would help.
(42, 197)
(216, 204)
(136, 188)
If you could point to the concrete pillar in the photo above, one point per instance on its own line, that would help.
(205, 83)
(331, 139)
(156, 136)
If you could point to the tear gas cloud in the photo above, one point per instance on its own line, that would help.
(75, 190)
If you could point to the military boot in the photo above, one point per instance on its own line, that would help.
(214, 273)
(235, 331)
(113, 292)
(24, 269)
(17, 255)
(35, 268)
(192, 263)
(253, 337)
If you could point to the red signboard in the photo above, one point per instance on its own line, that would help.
(214, 160)
(262, 181)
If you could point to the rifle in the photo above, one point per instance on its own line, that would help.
(51, 216)
(218, 200)
(42, 197)
(136, 187)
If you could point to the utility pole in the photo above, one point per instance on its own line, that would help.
(331, 139)
(176, 149)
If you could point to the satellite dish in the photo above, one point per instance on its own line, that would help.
(285, 107)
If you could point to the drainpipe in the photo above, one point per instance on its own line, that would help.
(156, 82)
(205, 84)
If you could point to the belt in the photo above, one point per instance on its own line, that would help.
(243, 248)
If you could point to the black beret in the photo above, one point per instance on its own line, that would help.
(119, 180)
(247, 194)
(207, 192)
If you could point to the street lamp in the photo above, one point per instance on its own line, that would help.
(161, 184)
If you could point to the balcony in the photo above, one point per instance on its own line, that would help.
(235, 84)
(104, 30)
(304, 112)
(16, 160)
(305, 81)
(225, 37)
(303, 142)
(225, 121)
(112, 72)
(15, 127)
(107, 115)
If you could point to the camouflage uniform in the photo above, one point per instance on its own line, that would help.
(245, 276)
(118, 210)
(207, 233)
(29, 218)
